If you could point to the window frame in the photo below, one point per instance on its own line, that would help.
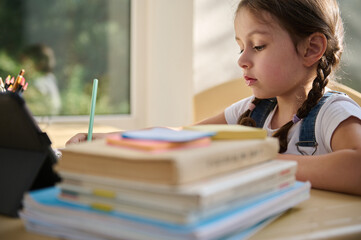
(154, 77)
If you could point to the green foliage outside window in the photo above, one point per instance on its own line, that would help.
(87, 38)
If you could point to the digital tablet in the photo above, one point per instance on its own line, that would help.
(26, 156)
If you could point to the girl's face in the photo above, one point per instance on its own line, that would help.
(271, 65)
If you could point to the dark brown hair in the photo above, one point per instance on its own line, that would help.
(301, 18)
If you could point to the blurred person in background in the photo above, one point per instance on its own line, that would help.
(42, 95)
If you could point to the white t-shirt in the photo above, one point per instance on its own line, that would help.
(335, 110)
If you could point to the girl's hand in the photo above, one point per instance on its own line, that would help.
(82, 137)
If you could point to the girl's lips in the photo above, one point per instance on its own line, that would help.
(250, 81)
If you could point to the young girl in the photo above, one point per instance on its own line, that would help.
(288, 51)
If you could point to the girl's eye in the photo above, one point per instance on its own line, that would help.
(241, 51)
(259, 48)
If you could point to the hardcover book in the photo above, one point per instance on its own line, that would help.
(170, 167)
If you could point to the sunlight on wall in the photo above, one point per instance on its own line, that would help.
(215, 50)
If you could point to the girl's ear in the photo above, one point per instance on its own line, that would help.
(314, 48)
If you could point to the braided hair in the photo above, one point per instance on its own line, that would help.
(301, 18)
(245, 119)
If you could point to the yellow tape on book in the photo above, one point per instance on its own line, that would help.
(101, 207)
(104, 193)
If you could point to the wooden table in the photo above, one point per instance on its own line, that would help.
(326, 215)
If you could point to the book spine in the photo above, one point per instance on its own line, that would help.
(195, 167)
(275, 180)
(174, 211)
(167, 202)
(171, 168)
(266, 184)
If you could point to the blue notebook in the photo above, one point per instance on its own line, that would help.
(166, 134)
(54, 230)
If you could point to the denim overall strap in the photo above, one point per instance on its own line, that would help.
(307, 132)
(261, 111)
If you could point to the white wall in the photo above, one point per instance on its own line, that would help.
(215, 49)
(169, 62)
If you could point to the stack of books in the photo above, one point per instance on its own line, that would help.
(224, 189)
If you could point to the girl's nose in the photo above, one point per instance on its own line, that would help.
(244, 61)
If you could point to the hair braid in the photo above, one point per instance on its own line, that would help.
(245, 119)
(319, 83)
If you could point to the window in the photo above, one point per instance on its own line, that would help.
(147, 73)
(350, 72)
(63, 45)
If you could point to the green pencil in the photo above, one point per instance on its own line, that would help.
(92, 109)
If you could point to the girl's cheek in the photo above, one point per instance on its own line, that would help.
(270, 68)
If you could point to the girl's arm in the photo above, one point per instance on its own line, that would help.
(217, 119)
(337, 171)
